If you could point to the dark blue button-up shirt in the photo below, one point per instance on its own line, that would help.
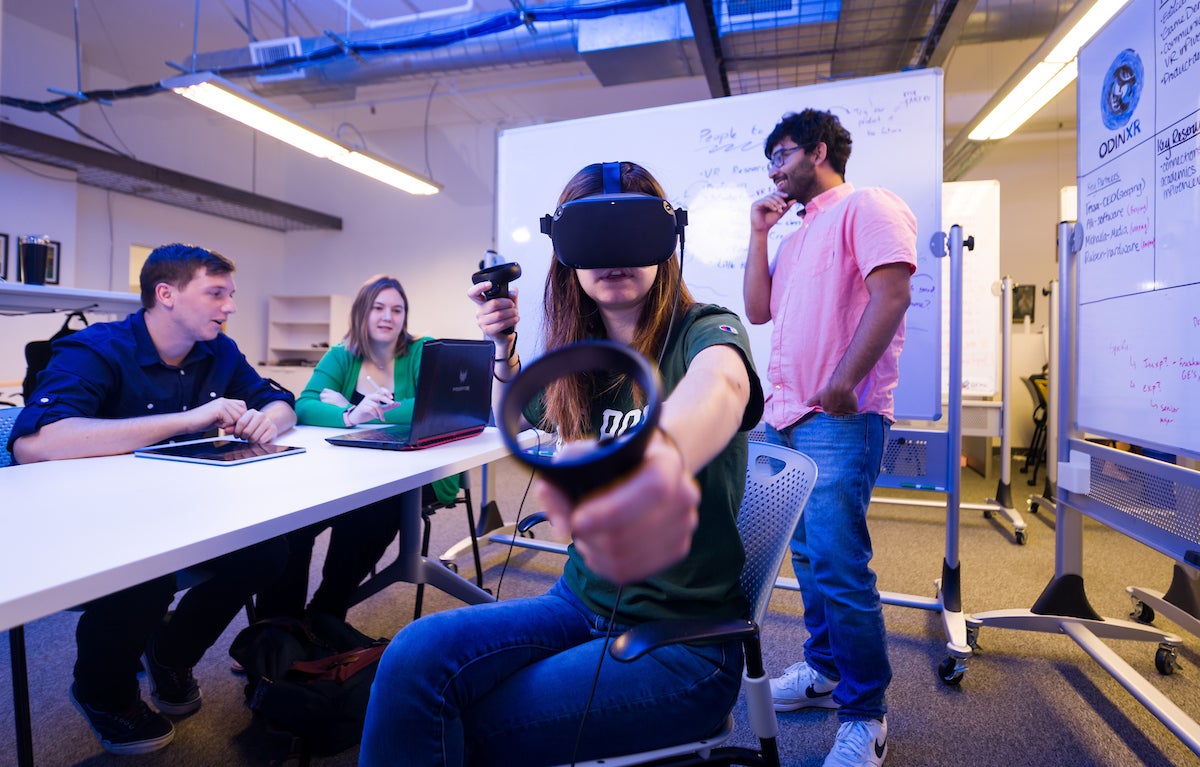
(112, 370)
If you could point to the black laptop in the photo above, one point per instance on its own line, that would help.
(453, 401)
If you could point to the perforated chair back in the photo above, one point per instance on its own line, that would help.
(8, 415)
(779, 481)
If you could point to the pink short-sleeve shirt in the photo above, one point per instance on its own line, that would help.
(818, 295)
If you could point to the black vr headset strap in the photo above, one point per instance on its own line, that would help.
(612, 177)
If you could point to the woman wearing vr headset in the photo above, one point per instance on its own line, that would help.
(524, 682)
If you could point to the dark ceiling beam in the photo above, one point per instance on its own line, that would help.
(118, 173)
(945, 32)
(708, 45)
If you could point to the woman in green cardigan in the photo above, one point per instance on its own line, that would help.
(369, 377)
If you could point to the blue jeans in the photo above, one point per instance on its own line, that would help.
(831, 554)
(506, 683)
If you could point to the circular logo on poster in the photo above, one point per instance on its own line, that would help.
(1121, 90)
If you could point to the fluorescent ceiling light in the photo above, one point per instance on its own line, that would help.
(1085, 29)
(1048, 77)
(224, 97)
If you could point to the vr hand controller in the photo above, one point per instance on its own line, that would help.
(578, 474)
(499, 275)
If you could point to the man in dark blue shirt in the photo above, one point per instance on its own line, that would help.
(165, 372)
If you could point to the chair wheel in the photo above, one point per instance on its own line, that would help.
(952, 670)
(1142, 612)
(1166, 660)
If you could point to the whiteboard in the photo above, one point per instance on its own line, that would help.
(975, 206)
(1138, 303)
(708, 156)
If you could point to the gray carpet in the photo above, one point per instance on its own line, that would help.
(1026, 699)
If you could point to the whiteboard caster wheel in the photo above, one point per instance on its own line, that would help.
(1142, 612)
(951, 670)
(1020, 536)
(1166, 660)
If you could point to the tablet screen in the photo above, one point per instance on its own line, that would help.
(223, 451)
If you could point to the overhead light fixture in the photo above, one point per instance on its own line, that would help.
(220, 95)
(1043, 76)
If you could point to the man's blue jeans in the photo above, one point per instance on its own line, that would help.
(831, 555)
(507, 683)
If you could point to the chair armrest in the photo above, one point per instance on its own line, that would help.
(640, 640)
(536, 518)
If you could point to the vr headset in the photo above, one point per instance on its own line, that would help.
(615, 229)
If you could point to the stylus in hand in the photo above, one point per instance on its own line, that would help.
(388, 402)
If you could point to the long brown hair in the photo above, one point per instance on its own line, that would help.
(571, 315)
(358, 337)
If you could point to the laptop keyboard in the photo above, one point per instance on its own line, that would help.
(400, 436)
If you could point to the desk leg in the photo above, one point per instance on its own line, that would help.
(424, 570)
(20, 675)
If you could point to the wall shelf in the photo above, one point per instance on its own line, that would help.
(18, 298)
(302, 328)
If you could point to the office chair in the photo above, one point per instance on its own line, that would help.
(427, 512)
(1035, 456)
(778, 483)
(8, 415)
(393, 573)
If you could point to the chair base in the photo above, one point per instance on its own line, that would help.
(696, 752)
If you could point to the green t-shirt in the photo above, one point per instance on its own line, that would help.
(706, 582)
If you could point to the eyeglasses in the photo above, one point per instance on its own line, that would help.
(779, 156)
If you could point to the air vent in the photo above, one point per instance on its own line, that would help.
(751, 7)
(757, 15)
(269, 51)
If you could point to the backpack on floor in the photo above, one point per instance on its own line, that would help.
(310, 679)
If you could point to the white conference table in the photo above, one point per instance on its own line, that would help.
(77, 530)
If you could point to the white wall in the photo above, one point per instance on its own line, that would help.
(1031, 171)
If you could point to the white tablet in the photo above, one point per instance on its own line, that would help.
(219, 451)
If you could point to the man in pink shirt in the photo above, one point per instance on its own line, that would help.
(837, 293)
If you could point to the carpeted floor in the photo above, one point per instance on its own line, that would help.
(1026, 698)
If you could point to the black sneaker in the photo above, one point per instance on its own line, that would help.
(173, 690)
(138, 730)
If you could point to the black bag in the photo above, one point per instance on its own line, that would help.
(311, 679)
(37, 354)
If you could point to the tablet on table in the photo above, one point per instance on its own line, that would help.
(219, 451)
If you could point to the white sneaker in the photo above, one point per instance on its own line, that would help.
(861, 743)
(802, 687)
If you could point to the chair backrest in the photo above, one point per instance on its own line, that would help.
(7, 416)
(778, 483)
(1038, 388)
(1042, 382)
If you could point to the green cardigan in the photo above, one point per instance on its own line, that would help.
(339, 369)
